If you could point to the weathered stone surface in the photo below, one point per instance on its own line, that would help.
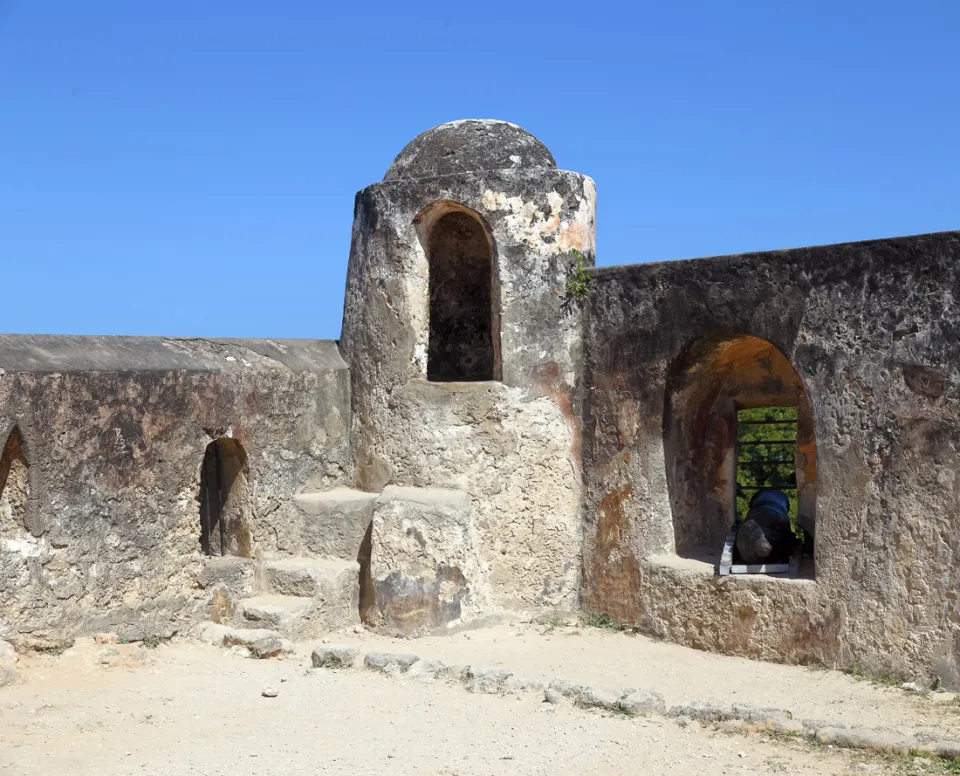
(425, 564)
(426, 668)
(519, 684)
(550, 695)
(864, 738)
(704, 711)
(243, 637)
(333, 522)
(380, 661)
(271, 646)
(598, 698)
(587, 434)
(331, 586)
(486, 680)
(8, 653)
(8, 664)
(565, 688)
(511, 443)
(8, 674)
(282, 613)
(641, 703)
(334, 656)
(114, 431)
(870, 331)
(469, 145)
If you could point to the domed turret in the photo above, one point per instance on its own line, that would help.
(469, 145)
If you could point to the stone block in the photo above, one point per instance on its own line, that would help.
(426, 668)
(282, 613)
(334, 656)
(381, 661)
(271, 646)
(333, 522)
(425, 561)
(598, 698)
(565, 688)
(332, 585)
(641, 703)
(486, 681)
(865, 738)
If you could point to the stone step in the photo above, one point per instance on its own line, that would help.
(425, 564)
(334, 522)
(285, 614)
(309, 577)
(333, 587)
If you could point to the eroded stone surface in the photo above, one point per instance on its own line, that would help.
(334, 656)
(425, 562)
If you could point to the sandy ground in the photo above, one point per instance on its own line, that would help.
(619, 660)
(186, 708)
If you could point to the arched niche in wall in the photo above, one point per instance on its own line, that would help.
(14, 486)
(736, 417)
(464, 296)
(224, 499)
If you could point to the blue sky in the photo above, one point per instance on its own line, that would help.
(188, 168)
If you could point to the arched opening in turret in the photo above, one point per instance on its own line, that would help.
(464, 325)
(737, 421)
(14, 487)
(224, 500)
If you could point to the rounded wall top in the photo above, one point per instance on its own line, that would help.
(469, 145)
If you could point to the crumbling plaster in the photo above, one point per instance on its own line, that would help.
(859, 323)
(114, 465)
(512, 445)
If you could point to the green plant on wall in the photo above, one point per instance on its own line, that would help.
(577, 286)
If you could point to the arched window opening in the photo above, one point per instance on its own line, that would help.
(737, 421)
(224, 527)
(14, 487)
(464, 329)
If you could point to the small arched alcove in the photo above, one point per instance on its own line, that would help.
(736, 419)
(464, 328)
(224, 501)
(14, 486)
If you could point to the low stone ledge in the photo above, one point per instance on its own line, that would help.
(865, 738)
(598, 698)
(734, 718)
(640, 703)
(486, 681)
(381, 661)
(334, 656)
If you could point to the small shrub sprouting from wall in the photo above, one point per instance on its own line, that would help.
(577, 287)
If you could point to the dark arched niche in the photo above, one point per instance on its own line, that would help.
(706, 386)
(14, 486)
(464, 329)
(224, 524)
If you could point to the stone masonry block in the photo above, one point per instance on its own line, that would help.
(425, 561)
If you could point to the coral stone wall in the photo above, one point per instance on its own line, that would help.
(511, 444)
(873, 332)
(100, 516)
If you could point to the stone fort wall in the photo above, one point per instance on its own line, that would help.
(482, 440)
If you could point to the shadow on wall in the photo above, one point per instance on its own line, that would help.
(464, 333)
(706, 387)
(14, 487)
(224, 500)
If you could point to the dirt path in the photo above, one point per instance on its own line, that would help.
(617, 660)
(186, 708)
(198, 710)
